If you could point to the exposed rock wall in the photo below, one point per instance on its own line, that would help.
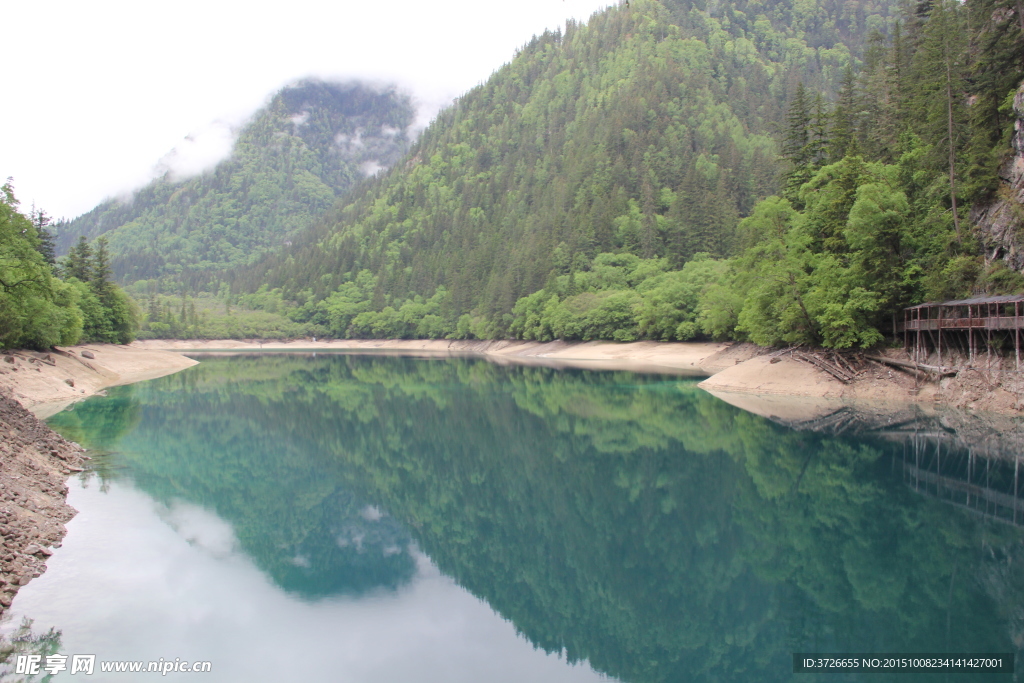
(1001, 223)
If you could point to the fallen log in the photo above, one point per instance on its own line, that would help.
(836, 372)
(940, 371)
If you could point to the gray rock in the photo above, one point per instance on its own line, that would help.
(88, 354)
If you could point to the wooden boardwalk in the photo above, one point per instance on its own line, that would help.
(972, 321)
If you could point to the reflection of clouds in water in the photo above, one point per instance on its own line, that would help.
(200, 528)
(356, 536)
(137, 580)
(352, 537)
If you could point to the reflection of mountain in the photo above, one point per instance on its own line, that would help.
(282, 494)
(635, 522)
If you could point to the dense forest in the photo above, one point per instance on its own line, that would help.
(776, 172)
(647, 131)
(669, 171)
(289, 165)
(44, 303)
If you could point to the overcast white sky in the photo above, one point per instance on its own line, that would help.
(96, 93)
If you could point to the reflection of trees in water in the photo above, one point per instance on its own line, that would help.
(987, 486)
(24, 641)
(971, 461)
(283, 496)
(968, 461)
(105, 423)
(632, 521)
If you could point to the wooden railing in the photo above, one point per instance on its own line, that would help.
(1007, 322)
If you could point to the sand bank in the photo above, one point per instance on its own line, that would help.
(745, 375)
(697, 359)
(46, 382)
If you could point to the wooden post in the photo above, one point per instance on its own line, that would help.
(970, 466)
(906, 343)
(938, 326)
(988, 479)
(917, 345)
(1016, 335)
(988, 343)
(970, 335)
(917, 463)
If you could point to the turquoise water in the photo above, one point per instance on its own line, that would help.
(387, 519)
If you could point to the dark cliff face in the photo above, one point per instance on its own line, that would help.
(1001, 222)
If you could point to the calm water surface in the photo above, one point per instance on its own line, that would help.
(354, 518)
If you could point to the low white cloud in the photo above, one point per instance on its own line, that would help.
(200, 151)
(115, 87)
(371, 513)
(200, 528)
(369, 168)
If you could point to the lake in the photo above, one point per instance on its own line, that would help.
(367, 518)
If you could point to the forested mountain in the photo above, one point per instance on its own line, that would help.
(778, 172)
(290, 163)
(649, 131)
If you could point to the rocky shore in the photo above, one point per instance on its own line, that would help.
(35, 462)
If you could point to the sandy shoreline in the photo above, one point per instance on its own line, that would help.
(745, 375)
(689, 359)
(750, 377)
(47, 382)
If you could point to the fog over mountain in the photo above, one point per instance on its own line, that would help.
(289, 164)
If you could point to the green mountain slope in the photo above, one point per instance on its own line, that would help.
(307, 147)
(651, 130)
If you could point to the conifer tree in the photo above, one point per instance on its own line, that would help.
(939, 66)
(998, 39)
(795, 143)
(102, 274)
(844, 117)
(79, 261)
(46, 245)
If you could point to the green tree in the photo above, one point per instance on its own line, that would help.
(78, 263)
(939, 71)
(36, 310)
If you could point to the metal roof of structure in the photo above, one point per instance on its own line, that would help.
(1005, 299)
